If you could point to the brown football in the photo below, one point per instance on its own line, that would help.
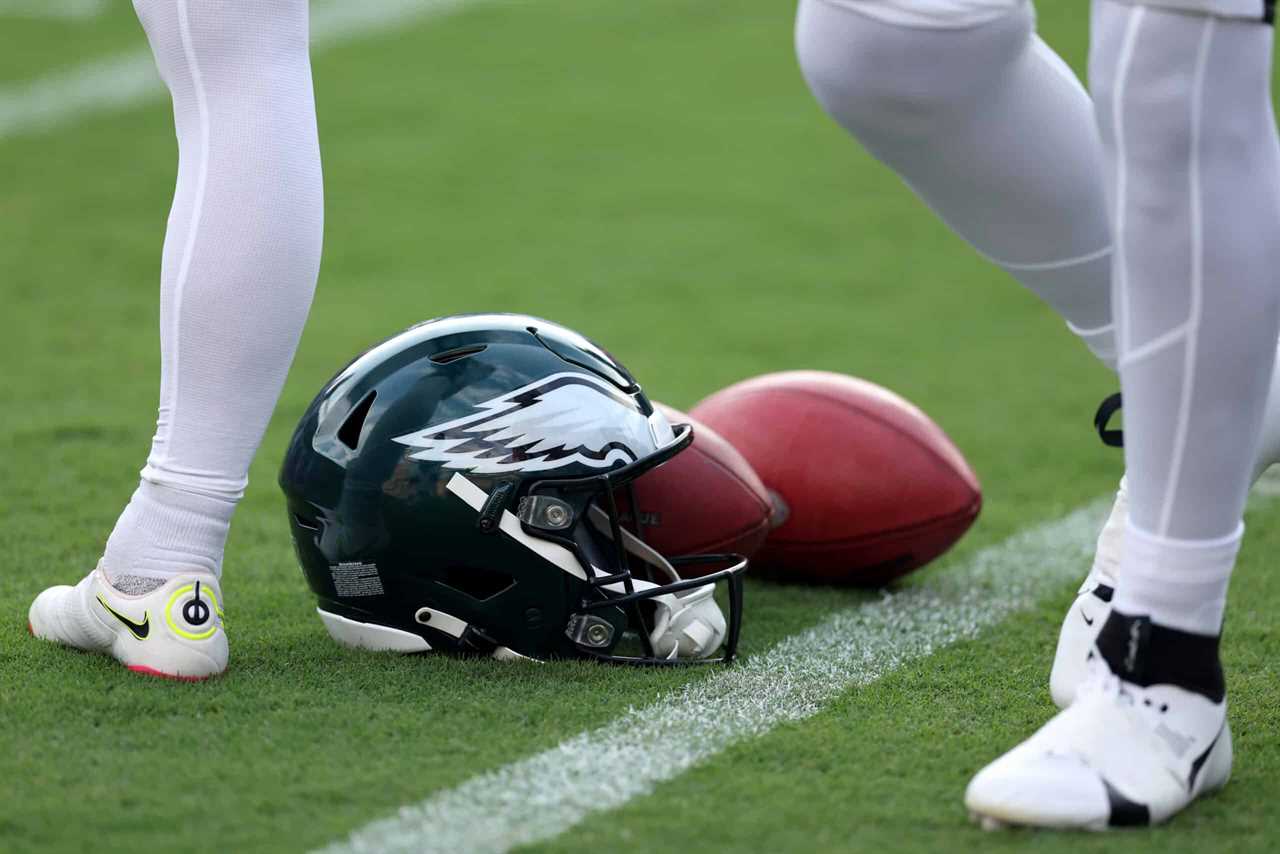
(705, 500)
(868, 487)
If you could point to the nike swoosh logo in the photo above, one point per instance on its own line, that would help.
(1088, 621)
(139, 630)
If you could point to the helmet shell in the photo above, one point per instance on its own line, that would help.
(378, 529)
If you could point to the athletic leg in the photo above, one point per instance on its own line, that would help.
(241, 256)
(1193, 167)
(970, 116)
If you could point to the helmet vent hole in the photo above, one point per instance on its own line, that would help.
(349, 432)
(477, 582)
(458, 353)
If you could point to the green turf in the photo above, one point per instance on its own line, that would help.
(655, 174)
(34, 46)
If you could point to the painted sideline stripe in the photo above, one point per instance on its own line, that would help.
(124, 81)
(540, 797)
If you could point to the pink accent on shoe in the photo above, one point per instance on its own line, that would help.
(151, 671)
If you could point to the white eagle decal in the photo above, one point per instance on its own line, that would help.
(559, 420)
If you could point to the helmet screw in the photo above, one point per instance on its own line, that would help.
(557, 516)
(598, 635)
(423, 615)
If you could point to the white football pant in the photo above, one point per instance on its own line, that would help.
(241, 256)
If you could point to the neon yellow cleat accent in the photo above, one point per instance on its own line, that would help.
(188, 643)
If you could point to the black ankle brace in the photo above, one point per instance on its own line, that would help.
(1145, 653)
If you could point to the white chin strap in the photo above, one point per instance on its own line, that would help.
(688, 624)
(633, 544)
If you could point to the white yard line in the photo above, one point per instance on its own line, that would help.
(540, 797)
(121, 82)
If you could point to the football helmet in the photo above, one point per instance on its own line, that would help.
(457, 488)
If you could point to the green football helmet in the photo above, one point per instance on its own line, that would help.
(457, 488)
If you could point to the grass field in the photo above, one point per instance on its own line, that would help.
(655, 174)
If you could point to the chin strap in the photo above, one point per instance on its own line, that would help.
(634, 545)
(688, 624)
(468, 636)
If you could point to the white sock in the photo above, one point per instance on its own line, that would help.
(163, 531)
(1181, 584)
(1194, 165)
(241, 255)
(992, 130)
(1109, 553)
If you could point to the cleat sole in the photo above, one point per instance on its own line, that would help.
(151, 671)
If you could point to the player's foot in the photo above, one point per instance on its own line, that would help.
(174, 631)
(1120, 755)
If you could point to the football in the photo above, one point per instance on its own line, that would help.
(867, 487)
(706, 499)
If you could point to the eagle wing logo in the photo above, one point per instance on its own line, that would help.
(559, 420)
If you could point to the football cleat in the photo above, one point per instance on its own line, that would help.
(174, 631)
(1121, 755)
(1091, 607)
(1085, 618)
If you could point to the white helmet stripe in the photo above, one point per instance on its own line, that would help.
(475, 497)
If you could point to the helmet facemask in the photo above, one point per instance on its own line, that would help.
(671, 620)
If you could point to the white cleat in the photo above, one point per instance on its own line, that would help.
(1119, 756)
(1092, 605)
(1085, 618)
(174, 631)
